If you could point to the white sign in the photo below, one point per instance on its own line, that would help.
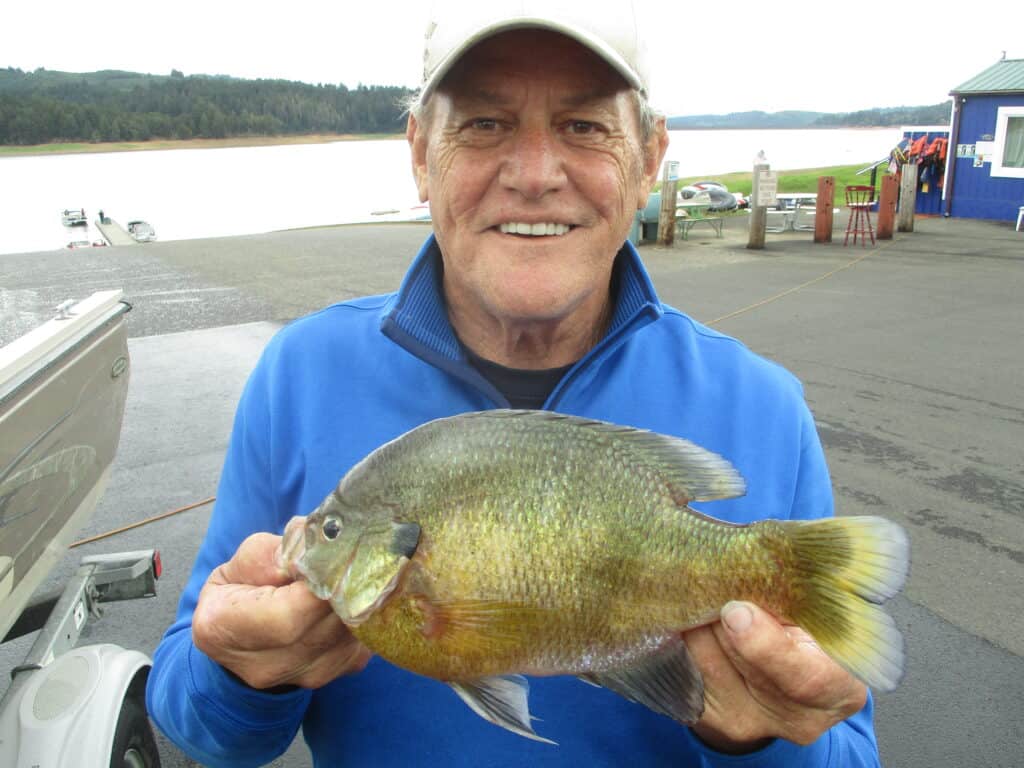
(671, 170)
(983, 150)
(767, 189)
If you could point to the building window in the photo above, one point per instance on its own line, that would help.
(1008, 159)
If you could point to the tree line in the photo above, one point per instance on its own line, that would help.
(43, 106)
(935, 114)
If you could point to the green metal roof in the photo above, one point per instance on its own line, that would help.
(1006, 76)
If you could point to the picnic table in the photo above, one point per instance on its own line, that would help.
(796, 199)
(689, 215)
(794, 210)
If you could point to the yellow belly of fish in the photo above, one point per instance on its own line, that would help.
(514, 639)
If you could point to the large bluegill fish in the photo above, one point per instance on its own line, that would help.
(483, 547)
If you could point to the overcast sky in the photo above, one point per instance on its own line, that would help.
(714, 56)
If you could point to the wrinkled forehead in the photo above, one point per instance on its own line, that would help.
(499, 65)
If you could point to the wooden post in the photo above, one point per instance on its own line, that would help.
(758, 211)
(886, 208)
(667, 214)
(823, 211)
(908, 199)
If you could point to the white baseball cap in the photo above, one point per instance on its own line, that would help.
(609, 28)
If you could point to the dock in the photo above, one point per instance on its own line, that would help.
(114, 233)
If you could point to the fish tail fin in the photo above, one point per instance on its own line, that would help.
(846, 567)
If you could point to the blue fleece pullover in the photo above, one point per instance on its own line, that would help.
(337, 384)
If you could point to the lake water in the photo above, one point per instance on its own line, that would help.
(191, 193)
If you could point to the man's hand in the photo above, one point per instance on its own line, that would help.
(765, 680)
(267, 629)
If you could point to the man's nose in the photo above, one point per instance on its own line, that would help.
(535, 165)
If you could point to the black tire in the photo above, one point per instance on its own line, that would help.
(134, 744)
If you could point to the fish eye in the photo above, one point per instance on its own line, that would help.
(331, 528)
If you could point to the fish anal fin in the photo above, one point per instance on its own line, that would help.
(502, 700)
(666, 681)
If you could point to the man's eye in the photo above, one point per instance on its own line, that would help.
(582, 127)
(485, 124)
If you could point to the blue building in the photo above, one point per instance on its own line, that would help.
(985, 169)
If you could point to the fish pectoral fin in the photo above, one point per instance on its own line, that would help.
(666, 681)
(501, 700)
(473, 623)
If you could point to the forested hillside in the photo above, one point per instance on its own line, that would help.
(756, 119)
(936, 114)
(43, 106)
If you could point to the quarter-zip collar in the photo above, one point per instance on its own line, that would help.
(417, 319)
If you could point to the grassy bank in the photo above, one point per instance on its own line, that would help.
(799, 180)
(138, 146)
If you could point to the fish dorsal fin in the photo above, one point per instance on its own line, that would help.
(666, 681)
(693, 473)
(502, 700)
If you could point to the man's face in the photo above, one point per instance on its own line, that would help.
(533, 133)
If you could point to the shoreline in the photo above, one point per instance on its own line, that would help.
(76, 148)
(152, 145)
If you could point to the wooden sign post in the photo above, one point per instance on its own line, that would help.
(908, 199)
(667, 213)
(763, 194)
(824, 209)
(886, 208)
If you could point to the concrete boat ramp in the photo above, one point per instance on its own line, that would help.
(114, 233)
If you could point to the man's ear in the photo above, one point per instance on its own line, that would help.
(417, 138)
(653, 153)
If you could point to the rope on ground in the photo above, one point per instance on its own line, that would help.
(818, 279)
(141, 523)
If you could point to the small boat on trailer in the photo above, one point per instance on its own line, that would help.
(141, 231)
(63, 388)
(73, 217)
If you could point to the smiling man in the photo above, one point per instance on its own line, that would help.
(533, 142)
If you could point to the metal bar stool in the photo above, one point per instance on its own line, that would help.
(859, 200)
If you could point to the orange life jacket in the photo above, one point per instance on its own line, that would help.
(938, 147)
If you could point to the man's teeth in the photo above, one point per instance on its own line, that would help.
(541, 228)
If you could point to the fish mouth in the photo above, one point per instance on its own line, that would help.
(292, 549)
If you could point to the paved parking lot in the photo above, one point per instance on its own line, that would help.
(911, 358)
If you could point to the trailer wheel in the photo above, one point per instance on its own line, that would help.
(134, 744)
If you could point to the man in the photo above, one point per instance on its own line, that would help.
(534, 145)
